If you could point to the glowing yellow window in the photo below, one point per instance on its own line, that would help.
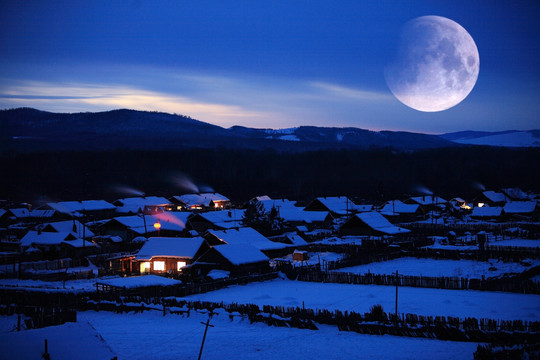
(159, 265)
(145, 267)
(180, 265)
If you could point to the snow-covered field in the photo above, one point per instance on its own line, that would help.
(429, 267)
(516, 242)
(359, 298)
(153, 336)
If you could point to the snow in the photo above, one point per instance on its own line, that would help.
(139, 281)
(520, 207)
(178, 337)
(514, 139)
(516, 242)
(68, 341)
(239, 254)
(451, 268)
(379, 223)
(168, 246)
(314, 258)
(289, 138)
(486, 211)
(218, 274)
(84, 285)
(359, 298)
(246, 235)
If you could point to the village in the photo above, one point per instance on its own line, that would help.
(201, 252)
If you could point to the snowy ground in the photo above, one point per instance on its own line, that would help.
(65, 342)
(152, 336)
(359, 298)
(429, 267)
(516, 242)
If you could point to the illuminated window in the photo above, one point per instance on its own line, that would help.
(481, 204)
(159, 265)
(145, 267)
(180, 265)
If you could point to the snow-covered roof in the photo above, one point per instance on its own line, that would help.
(288, 212)
(494, 196)
(71, 207)
(246, 235)
(74, 227)
(296, 240)
(79, 243)
(337, 204)
(515, 194)
(520, 207)
(486, 211)
(399, 207)
(167, 220)
(25, 213)
(225, 219)
(203, 199)
(170, 247)
(45, 238)
(379, 223)
(428, 200)
(136, 204)
(240, 254)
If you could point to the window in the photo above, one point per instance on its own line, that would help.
(159, 265)
(180, 265)
(145, 267)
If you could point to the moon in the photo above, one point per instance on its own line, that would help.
(437, 64)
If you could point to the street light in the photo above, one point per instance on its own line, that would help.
(157, 226)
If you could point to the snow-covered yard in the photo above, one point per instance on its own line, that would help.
(452, 268)
(359, 298)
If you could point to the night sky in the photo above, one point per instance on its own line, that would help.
(271, 64)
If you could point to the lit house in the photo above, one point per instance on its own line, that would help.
(161, 255)
(201, 201)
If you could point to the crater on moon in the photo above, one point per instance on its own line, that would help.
(436, 66)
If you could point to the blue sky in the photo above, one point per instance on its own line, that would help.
(265, 64)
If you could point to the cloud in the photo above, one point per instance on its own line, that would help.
(347, 93)
(87, 96)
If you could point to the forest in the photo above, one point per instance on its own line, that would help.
(371, 175)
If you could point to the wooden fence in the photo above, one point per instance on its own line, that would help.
(507, 284)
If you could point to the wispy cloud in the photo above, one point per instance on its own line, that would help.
(348, 93)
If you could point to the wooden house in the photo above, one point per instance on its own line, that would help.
(490, 198)
(338, 206)
(398, 211)
(202, 201)
(371, 224)
(166, 224)
(239, 259)
(218, 220)
(488, 213)
(245, 235)
(95, 209)
(143, 205)
(522, 210)
(428, 203)
(167, 255)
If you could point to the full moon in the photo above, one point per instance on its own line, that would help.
(436, 66)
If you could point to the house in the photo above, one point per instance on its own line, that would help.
(457, 204)
(522, 210)
(338, 206)
(208, 201)
(294, 216)
(74, 227)
(490, 198)
(30, 216)
(515, 194)
(244, 235)
(145, 204)
(238, 259)
(161, 255)
(170, 224)
(60, 244)
(99, 209)
(400, 212)
(370, 224)
(487, 213)
(219, 220)
(428, 202)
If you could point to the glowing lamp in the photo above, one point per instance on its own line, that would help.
(157, 225)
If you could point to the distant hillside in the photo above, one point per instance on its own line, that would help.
(511, 138)
(26, 129)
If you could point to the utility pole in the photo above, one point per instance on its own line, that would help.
(204, 336)
(397, 284)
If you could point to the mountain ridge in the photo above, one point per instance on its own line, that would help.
(28, 129)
